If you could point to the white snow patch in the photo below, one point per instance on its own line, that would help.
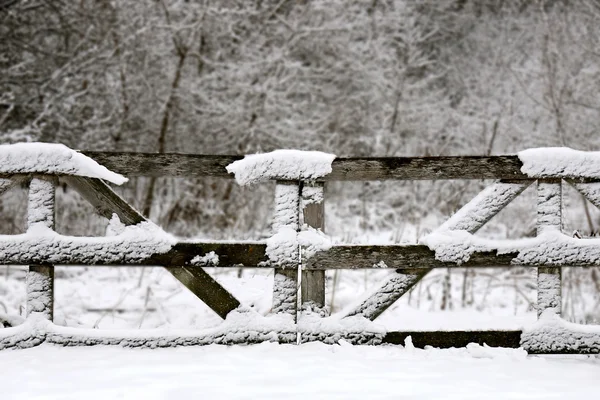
(560, 162)
(309, 371)
(209, 259)
(282, 247)
(281, 164)
(552, 333)
(52, 158)
(312, 241)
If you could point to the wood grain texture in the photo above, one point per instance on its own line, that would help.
(198, 281)
(313, 282)
(447, 339)
(343, 169)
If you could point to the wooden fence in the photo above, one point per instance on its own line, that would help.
(410, 262)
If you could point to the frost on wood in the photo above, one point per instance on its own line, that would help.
(243, 326)
(553, 334)
(551, 248)
(40, 278)
(41, 244)
(208, 260)
(285, 288)
(484, 206)
(40, 287)
(549, 290)
(549, 206)
(282, 165)
(312, 195)
(381, 299)
(287, 206)
(549, 219)
(282, 248)
(560, 162)
(52, 159)
(330, 330)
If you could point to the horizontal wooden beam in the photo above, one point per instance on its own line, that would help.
(405, 257)
(409, 258)
(343, 169)
(447, 339)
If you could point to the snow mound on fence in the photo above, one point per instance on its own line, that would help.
(281, 164)
(52, 158)
(553, 334)
(560, 162)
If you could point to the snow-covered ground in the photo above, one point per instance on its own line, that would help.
(310, 371)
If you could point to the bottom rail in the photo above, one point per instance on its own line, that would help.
(448, 339)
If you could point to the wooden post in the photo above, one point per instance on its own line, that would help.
(313, 282)
(286, 216)
(40, 278)
(549, 213)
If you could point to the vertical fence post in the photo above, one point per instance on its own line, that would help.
(286, 215)
(40, 278)
(549, 214)
(313, 211)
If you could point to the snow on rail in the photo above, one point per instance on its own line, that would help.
(560, 162)
(550, 248)
(281, 164)
(133, 243)
(553, 334)
(242, 326)
(52, 158)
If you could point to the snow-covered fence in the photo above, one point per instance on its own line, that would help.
(298, 250)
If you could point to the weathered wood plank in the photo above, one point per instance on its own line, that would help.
(470, 217)
(549, 217)
(448, 339)
(104, 199)
(416, 257)
(40, 277)
(286, 216)
(343, 169)
(409, 258)
(198, 281)
(313, 282)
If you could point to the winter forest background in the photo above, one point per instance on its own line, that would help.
(350, 77)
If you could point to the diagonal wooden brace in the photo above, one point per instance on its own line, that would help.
(198, 281)
(470, 218)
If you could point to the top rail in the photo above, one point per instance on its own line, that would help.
(343, 169)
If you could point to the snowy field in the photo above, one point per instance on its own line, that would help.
(309, 371)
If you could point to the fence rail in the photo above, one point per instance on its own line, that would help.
(343, 169)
